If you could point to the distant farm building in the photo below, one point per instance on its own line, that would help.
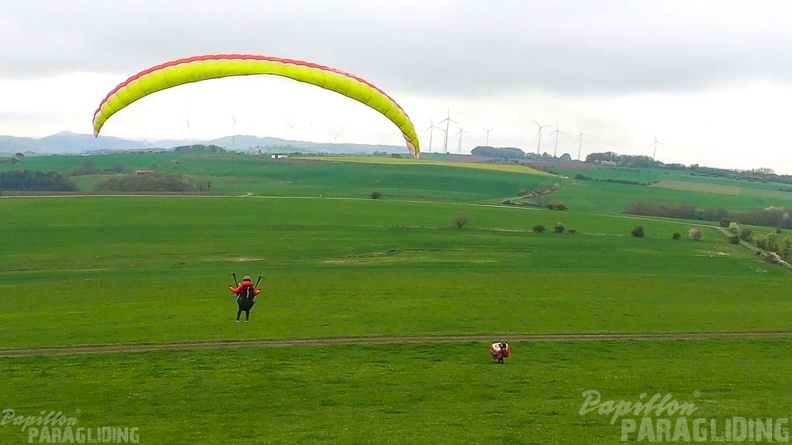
(145, 172)
(278, 156)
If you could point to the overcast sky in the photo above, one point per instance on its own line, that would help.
(711, 80)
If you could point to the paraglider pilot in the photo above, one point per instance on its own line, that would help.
(246, 294)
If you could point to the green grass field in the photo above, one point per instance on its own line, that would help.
(358, 267)
(338, 177)
(87, 270)
(401, 394)
(667, 187)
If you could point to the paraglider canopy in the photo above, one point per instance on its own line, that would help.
(196, 69)
(500, 351)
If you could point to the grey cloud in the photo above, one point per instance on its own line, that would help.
(443, 47)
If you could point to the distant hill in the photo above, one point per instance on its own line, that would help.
(67, 142)
(245, 142)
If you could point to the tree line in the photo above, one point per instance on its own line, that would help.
(778, 217)
(35, 181)
(155, 182)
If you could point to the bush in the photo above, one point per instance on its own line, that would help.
(561, 207)
(734, 239)
(772, 242)
(760, 241)
(571, 231)
(157, 182)
(785, 249)
(696, 234)
(724, 222)
(460, 221)
(676, 236)
(559, 228)
(638, 232)
(746, 234)
(734, 228)
(539, 228)
(376, 195)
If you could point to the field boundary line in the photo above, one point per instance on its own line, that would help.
(271, 343)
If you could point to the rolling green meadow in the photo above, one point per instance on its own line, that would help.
(87, 270)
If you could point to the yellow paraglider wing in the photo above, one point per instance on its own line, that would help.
(195, 69)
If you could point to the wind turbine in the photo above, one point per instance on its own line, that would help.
(460, 133)
(580, 136)
(655, 144)
(233, 132)
(187, 118)
(445, 132)
(447, 121)
(556, 132)
(431, 130)
(539, 133)
(488, 132)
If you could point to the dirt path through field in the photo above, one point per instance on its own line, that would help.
(104, 349)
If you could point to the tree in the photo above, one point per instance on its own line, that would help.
(696, 234)
(492, 152)
(637, 232)
(746, 234)
(596, 158)
(87, 168)
(676, 236)
(460, 220)
(539, 228)
(559, 228)
(760, 241)
(376, 195)
(785, 249)
(772, 242)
